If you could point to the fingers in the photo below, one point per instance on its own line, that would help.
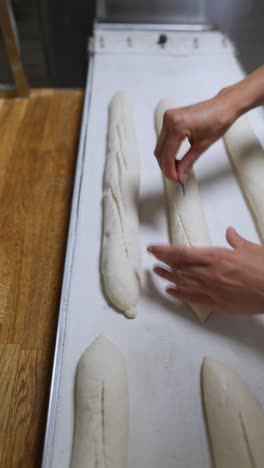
(168, 167)
(194, 275)
(190, 297)
(185, 165)
(235, 240)
(183, 282)
(160, 144)
(168, 158)
(166, 274)
(174, 255)
(166, 150)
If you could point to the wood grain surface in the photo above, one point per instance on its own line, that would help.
(38, 148)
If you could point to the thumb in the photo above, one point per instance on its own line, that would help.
(185, 164)
(234, 239)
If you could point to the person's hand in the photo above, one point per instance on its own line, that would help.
(228, 280)
(201, 123)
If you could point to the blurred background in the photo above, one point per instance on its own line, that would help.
(53, 33)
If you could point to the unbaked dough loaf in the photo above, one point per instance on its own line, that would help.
(187, 222)
(247, 157)
(101, 408)
(120, 262)
(235, 420)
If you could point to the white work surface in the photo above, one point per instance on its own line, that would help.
(165, 345)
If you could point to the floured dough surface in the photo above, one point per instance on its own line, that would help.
(101, 408)
(247, 157)
(187, 221)
(120, 261)
(235, 419)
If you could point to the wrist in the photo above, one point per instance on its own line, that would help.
(242, 99)
(235, 101)
(228, 108)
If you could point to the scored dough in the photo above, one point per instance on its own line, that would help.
(101, 408)
(235, 420)
(120, 262)
(247, 156)
(187, 222)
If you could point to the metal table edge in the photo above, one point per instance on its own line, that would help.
(63, 311)
(136, 26)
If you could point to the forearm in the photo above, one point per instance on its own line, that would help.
(246, 94)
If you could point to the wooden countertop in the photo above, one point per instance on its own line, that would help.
(38, 147)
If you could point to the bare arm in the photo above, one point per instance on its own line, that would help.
(204, 123)
(248, 93)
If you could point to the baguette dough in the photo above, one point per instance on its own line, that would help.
(247, 156)
(235, 420)
(187, 222)
(101, 408)
(120, 262)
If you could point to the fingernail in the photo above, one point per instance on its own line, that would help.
(149, 249)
